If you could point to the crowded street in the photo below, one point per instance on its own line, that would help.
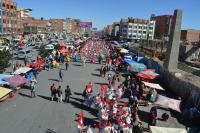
(40, 114)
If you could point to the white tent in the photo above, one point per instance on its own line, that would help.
(152, 85)
(155, 129)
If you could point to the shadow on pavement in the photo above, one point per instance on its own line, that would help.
(143, 116)
(97, 75)
(79, 94)
(76, 65)
(83, 107)
(56, 80)
(77, 99)
(101, 83)
(49, 131)
(45, 97)
(24, 95)
(97, 69)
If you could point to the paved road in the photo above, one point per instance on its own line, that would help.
(40, 115)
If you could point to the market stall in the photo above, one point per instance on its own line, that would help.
(22, 70)
(4, 93)
(155, 129)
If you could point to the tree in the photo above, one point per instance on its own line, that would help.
(5, 57)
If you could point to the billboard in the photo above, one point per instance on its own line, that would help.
(85, 24)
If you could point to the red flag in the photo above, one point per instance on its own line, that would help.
(80, 120)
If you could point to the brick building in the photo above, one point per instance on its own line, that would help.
(190, 35)
(72, 26)
(163, 25)
(56, 25)
(10, 18)
(34, 26)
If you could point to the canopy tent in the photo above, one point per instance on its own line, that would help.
(135, 66)
(16, 80)
(155, 129)
(4, 92)
(152, 85)
(2, 76)
(147, 75)
(38, 63)
(123, 50)
(22, 70)
(168, 102)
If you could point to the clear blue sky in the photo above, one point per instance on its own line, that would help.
(103, 12)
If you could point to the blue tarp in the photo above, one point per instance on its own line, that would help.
(2, 76)
(136, 67)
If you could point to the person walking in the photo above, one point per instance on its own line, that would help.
(61, 75)
(53, 92)
(66, 65)
(67, 94)
(59, 92)
(33, 84)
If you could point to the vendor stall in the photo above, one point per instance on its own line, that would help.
(155, 129)
(16, 81)
(147, 75)
(2, 76)
(135, 66)
(22, 70)
(4, 93)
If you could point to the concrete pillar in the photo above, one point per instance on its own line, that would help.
(172, 53)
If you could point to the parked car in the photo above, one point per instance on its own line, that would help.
(49, 47)
(24, 53)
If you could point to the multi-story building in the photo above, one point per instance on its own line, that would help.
(10, 18)
(190, 35)
(115, 30)
(163, 25)
(73, 26)
(25, 13)
(56, 25)
(136, 29)
(35, 26)
(108, 30)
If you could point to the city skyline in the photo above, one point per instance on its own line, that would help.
(105, 12)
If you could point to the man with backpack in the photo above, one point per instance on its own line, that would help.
(53, 92)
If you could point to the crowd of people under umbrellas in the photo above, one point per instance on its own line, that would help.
(111, 111)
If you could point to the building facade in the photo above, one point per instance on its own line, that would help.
(115, 30)
(190, 35)
(136, 29)
(24, 13)
(10, 18)
(163, 25)
(35, 26)
(56, 25)
(73, 26)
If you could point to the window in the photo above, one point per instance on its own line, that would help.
(4, 5)
(4, 21)
(8, 6)
(140, 31)
(151, 28)
(129, 26)
(144, 32)
(11, 6)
